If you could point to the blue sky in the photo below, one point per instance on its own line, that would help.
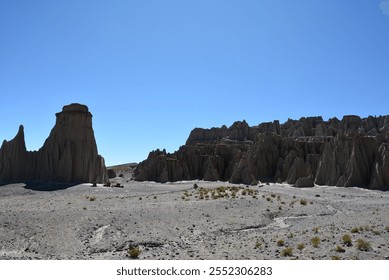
(151, 71)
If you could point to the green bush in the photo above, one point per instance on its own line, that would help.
(287, 252)
(280, 243)
(347, 240)
(355, 230)
(301, 246)
(134, 252)
(363, 245)
(315, 241)
(340, 249)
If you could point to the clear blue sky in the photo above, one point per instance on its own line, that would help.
(150, 71)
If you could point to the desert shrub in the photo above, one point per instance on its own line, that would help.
(376, 232)
(258, 245)
(363, 245)
(315, 230)
(268, 199)
(354, 230)
(134, 252)
(301, 246)
(335, 258)
(287, 252)
(280, 243)
(387, 228)
(347, 240)
(340, 249)
(315, 241)
(92, 198)
(273, 195)
(303, 202)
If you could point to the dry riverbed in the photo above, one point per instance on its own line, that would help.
(217, 220)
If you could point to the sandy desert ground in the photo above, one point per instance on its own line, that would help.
(217, 220)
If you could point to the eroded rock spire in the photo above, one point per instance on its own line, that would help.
(68, 155)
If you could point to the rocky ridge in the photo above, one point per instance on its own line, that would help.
(353, 151)
(68, 155)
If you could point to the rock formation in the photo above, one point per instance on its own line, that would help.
(348, 152)
(68, 155)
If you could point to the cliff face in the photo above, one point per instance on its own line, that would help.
(348, 152)
(68, 155)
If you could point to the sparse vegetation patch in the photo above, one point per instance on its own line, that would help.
(315, 241)
(340, 249)
(223, 192)
(134, 252)
(287, 252)
(363, 245)
(347, 240)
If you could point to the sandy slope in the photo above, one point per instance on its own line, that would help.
(171, 221)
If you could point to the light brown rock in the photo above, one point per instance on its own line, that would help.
(68, 155)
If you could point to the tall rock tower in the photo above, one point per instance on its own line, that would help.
(68, 155)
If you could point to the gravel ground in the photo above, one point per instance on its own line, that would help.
(217, 220)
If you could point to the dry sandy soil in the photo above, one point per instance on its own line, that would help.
(177, 221)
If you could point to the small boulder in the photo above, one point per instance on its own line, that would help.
(111, 174)
(304, 182)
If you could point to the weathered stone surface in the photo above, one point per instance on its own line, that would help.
(111, 173)
(68, 155)
(353, 151)
(304, 182)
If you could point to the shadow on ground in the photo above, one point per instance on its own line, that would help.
(48, 186)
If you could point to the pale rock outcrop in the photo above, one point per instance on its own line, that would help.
(68, 155)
